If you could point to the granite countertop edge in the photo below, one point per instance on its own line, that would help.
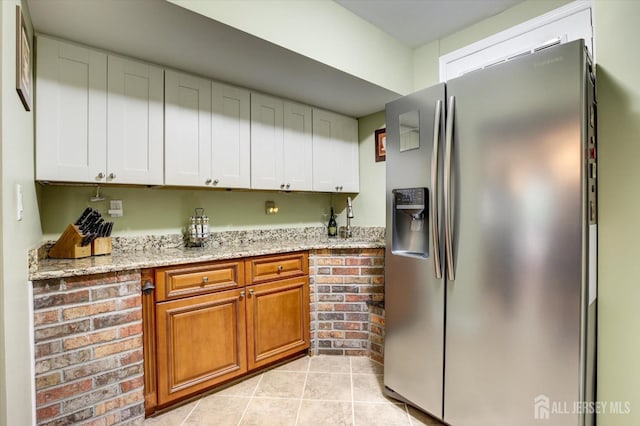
(127, 261)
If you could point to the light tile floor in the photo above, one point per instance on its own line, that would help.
(319, 390)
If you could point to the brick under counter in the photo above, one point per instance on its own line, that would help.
(89, 345)
(88, 349)
(343, 282)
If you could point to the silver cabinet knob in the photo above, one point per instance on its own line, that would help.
(282, 186)
(242, 293)
(100, 175)
(251, 292)
(288, 185)
(208, 181)
(280, 268)
(205, 279)
(215, 181)
(340, 187)
(112, 175)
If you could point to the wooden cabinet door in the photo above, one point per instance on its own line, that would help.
(201, 341)
(71, 132)
(297, 147)
(277, 320)
(135, 129)
(187, 124)
(335, 152)
(266, 142)
(230, 137)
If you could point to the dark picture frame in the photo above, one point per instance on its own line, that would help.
(24, 78)
(381, 144)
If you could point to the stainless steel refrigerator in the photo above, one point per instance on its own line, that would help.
(490, 287)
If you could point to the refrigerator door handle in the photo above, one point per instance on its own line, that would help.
(435, 211)
(448, 231)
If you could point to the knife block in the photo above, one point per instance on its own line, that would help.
(100, 246)
(68, 245)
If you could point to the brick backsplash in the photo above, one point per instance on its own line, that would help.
(88, 350)
(342, 282)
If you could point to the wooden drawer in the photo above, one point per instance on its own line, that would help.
(268, 268)
(190, 280)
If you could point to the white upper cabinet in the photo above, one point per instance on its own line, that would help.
(134, 122)
(335, 152)
(230, 137)
(102, 118)
(266, 142)
(298, 151)
(187, 143)
(71, 113)
(99, 117)
(207, 133)
(280, 144)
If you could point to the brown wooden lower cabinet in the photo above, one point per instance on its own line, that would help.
(201, 341)
(194, 343)
(277, 320)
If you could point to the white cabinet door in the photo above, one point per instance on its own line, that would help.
(335, 152)
(297, 147)
(187, 121)
(347, 170)
(230, 137)
(71, 118)
(266, 142)
(134, 122)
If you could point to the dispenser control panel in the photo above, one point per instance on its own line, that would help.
(410, 198)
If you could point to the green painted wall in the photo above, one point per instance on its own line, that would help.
(17, 407)
(617, 32)
(165, 211)
(321, 30)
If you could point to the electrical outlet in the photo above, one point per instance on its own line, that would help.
(115, 208)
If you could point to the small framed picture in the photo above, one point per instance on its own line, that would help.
(23, 61)
(381, 145)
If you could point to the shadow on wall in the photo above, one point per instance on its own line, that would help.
(165, 211)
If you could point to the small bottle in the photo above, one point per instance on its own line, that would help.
(333, 226)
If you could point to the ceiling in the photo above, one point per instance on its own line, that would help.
(164, 33)
(418, 22)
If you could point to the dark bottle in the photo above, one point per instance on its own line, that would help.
(333, 226)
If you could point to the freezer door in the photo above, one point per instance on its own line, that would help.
(513, 320)
(414, 297)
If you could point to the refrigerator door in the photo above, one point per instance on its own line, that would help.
(414, 296)
(514, 310)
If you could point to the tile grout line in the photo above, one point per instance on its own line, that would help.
(250, 399)
(353, 405)
(190, 412)
(304, 386)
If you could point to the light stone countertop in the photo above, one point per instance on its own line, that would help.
(48, 268)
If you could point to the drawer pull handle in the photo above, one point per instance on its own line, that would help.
(280, 268)
(205, 280)
(242, 293)
(251, 292)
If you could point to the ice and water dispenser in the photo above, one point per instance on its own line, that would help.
(410, 235)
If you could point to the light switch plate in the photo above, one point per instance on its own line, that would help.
(19, 203)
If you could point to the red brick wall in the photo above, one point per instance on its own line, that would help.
(88, 350)
(342, 281)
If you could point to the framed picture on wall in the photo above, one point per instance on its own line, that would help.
(23, 61)
(381, 144)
